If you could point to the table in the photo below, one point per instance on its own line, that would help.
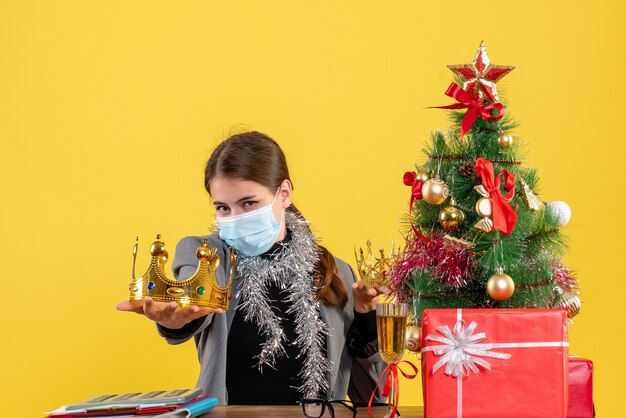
(239, 411)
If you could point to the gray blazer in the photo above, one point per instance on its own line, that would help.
(352, 376)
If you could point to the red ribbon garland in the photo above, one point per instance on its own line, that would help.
(504, 217)
(475, 108)
(389, 377)
(410, 179)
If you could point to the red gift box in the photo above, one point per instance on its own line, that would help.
(494, 363)
(580, 388)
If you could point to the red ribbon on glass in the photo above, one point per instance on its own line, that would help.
(474, 108)
(389, 379)
(504, 217)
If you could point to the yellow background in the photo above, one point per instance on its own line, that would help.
(108, 111)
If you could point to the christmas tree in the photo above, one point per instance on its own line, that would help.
(478, 234)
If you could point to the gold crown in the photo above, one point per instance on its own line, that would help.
(201, 289)
(372, 270)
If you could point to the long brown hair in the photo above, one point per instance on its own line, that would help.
(255, 156)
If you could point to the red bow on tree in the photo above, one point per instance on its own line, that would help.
(504, 217)
(410, 179)
(475, 108)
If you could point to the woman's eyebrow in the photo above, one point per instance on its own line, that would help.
(217, 202)
(246, 198)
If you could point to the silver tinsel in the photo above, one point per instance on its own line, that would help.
(292, 270)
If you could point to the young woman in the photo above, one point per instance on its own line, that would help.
(299, 324)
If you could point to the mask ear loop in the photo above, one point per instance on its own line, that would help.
(282, 212)
(276, 195)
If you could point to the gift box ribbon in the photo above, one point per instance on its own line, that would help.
(461, 352)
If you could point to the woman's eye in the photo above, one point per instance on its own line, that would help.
(222, 209)
(249, 203)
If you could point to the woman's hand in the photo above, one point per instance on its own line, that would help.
(366, 297)
(169, 315)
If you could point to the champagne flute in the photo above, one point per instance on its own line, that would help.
(391, 324)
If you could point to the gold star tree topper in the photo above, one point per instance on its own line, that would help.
(480, 76)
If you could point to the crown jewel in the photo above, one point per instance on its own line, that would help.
(372, 269)
(201, 289)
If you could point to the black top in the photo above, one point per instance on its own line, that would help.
(246, 384)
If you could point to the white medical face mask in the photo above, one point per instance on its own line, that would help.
(252, 233)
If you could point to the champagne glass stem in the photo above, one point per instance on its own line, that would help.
(390, 401)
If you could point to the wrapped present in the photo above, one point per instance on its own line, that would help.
(580, 403)
(494, 363)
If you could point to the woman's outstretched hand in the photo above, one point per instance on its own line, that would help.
(167, 314)
(366, 297)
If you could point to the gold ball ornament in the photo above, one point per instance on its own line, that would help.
(505, 139)
(500, 286)
(451, 218)
(435, 191)
(484, 208)
(413, 338)
(571, 303)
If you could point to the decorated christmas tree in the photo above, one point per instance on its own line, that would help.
(478, 233)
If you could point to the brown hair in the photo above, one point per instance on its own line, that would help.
(255, 156)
